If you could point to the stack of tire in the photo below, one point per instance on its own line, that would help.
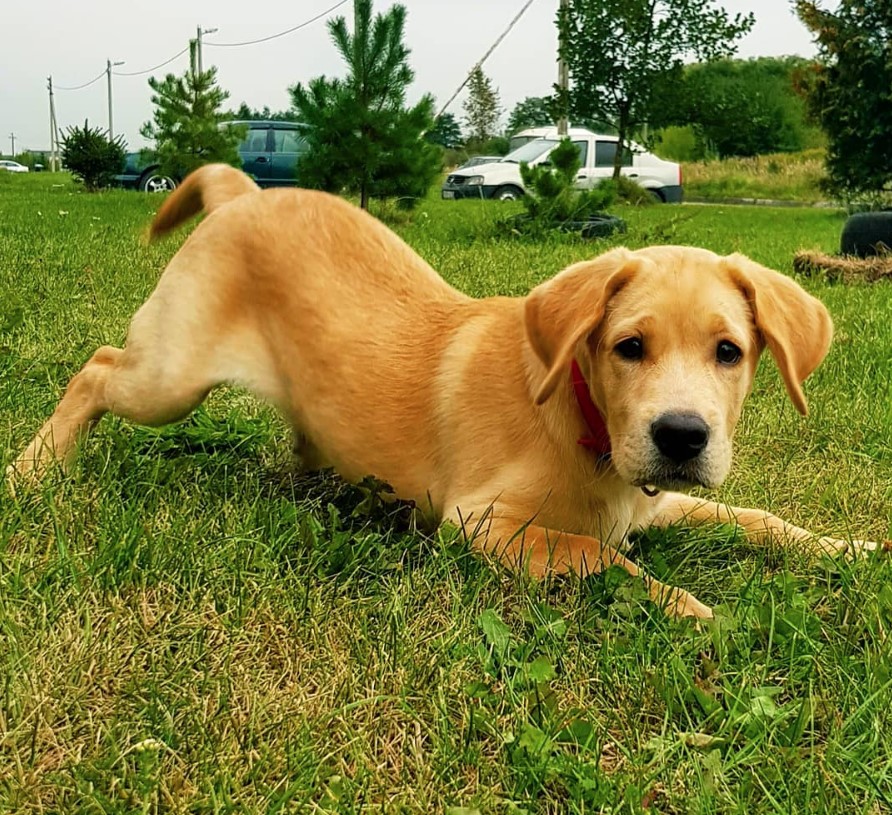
(602, 226)
(867, 234)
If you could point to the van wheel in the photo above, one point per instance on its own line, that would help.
(508, 193)
(656, 196)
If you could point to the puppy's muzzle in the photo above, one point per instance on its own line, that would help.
(680, 437)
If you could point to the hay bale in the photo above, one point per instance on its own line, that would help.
(845, 268)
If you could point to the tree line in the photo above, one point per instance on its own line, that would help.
(639, 69)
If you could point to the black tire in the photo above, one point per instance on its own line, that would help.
(602, 226)
(866, 234)
(153, 181)
(657, 196)
(507, 192)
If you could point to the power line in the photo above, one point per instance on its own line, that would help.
(280, 34)
(154, 67)
(486, 56)
(85, 85)
(207, 42)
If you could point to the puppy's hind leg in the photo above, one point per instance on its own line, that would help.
(129, 383)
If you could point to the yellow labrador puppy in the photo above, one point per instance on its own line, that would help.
(547, 426)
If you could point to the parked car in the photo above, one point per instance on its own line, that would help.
(269, 153)
(12, 166)
(501, 180)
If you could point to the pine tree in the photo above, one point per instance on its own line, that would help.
(482, 107)
(445, 132)
(186, 125)
(245, 113)
(92, 157)
(361, 137)
(553, 200)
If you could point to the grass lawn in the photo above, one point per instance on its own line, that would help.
(185, 626)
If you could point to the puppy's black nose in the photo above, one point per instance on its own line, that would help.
(680, 436)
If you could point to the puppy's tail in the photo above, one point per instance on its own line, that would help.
(204, 190)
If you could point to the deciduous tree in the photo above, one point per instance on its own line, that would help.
(747, 107)
(625, 57)
(534, 111)
(850, 91)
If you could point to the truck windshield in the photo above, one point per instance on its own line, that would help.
(531, 151)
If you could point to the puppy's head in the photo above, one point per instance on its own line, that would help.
(668, 339)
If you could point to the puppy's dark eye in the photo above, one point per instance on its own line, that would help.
(728, 353)
(631, 348)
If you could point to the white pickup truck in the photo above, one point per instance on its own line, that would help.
(501, 179)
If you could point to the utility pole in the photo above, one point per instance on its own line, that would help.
(108, 70)
(12, 139)
(563, 76)
(54, 130)
(198, 32)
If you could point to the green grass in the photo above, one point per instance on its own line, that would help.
(186, 626)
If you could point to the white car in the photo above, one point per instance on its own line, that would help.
(12, 166)
(501, 180)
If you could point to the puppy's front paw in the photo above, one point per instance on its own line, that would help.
(25, 473)
(690, 606)
(16, 475)
(852, 548)
(679, 603)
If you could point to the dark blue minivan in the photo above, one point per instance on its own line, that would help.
(269, 152)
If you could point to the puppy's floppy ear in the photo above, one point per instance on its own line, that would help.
(795, 326)
(561, 311)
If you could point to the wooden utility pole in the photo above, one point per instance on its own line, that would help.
(108, 69)
(12, 139)
(563, 77)
(54, 129)
(198, 32)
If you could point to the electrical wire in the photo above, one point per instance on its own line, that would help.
(209, 42)
(80, 87)
(485, 56)
(155, 68)
(274, 36)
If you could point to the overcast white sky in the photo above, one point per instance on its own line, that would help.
(71, 40)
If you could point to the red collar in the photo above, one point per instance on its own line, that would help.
(598, 440)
